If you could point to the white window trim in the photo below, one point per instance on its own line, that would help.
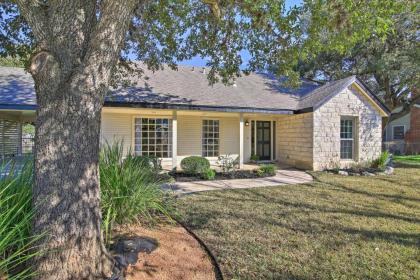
(393, 136)
(150, 116)
(220, 131)
(354, 138)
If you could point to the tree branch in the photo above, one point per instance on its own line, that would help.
(34, 11)
(106, 41)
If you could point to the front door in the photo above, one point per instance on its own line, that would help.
(264, 140)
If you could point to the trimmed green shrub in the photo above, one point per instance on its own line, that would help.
(195, 165)
(381, 161)
(130, 192)
(151, 162)
(16, 213)
(208, 174)
(268, 169)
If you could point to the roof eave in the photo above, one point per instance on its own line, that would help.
(228, 109)
(18, 107)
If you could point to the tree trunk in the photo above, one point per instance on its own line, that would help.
(67, 193)
(79, 43)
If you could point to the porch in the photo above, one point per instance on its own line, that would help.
(16, 133)
(173, 135)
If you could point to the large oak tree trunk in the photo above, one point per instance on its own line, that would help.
(79, 42)
(67, 191)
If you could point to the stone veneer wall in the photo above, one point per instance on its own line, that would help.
(294, 139)
(326, 137)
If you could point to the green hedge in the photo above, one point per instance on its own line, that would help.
(195, 165)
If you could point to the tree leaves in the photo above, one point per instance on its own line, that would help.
(163, 32)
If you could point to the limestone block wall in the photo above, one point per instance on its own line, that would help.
(326, 138)
(294, 140)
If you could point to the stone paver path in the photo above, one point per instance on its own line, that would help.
(282, 177)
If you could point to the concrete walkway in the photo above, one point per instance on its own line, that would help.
(282, 177)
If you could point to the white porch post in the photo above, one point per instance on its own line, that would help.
(272, 140)
(19, 147)
(174, 139)
(241, 141)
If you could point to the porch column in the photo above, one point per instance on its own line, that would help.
(19, 147)
(241, 141)
(272, 140)
(174, 139)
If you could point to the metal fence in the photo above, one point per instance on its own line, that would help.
(401, 147)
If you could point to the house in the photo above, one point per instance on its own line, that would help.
(175, 114)
(402, 135)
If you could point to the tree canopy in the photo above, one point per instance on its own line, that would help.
(389, 64)
(277, 39)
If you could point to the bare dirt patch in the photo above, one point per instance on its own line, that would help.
(177, 256)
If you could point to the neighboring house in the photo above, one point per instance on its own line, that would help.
(175, 114)
(402, 135)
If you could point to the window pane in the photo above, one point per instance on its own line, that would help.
(210, 138)
(347, 138)
(153, 137)
(398, 132)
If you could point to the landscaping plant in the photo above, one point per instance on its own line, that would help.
(16, 212)
(195, 165)
(268, 169)
(208, 174)
(150, 162)
(227, 163)
(130, 192)
(381, 161)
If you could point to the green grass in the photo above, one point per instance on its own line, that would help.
(333, 228)
(407, 159)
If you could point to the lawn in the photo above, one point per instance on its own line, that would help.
(334, 228)
(415, 159)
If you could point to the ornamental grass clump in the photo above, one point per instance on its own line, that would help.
(381, 162)
(17, 246)
(130, 190)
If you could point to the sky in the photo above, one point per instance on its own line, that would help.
(198, 61)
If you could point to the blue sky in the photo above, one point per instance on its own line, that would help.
(198, 61)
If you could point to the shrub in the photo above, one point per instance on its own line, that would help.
(227, 163)
(130, 193)
(260, 172)
(268, 169)
(255, 157)
(208, 174)
(16, 212)
(151, 162)
(195, 165)
(381, 161)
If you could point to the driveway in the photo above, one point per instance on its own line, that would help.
(282, 177)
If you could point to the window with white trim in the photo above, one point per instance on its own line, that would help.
(153, 137)
(210, 138)
(398, 132)
(347, 138)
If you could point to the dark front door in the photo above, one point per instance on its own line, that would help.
(264, 140)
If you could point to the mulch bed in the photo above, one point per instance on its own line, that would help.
(239, 174)
(177, 256)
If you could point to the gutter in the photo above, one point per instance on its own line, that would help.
(17, 107)
(228, 109)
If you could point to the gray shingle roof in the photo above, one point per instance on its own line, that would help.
(190, 88)
(16, 88)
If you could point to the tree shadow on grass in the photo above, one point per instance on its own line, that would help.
(374, 195)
